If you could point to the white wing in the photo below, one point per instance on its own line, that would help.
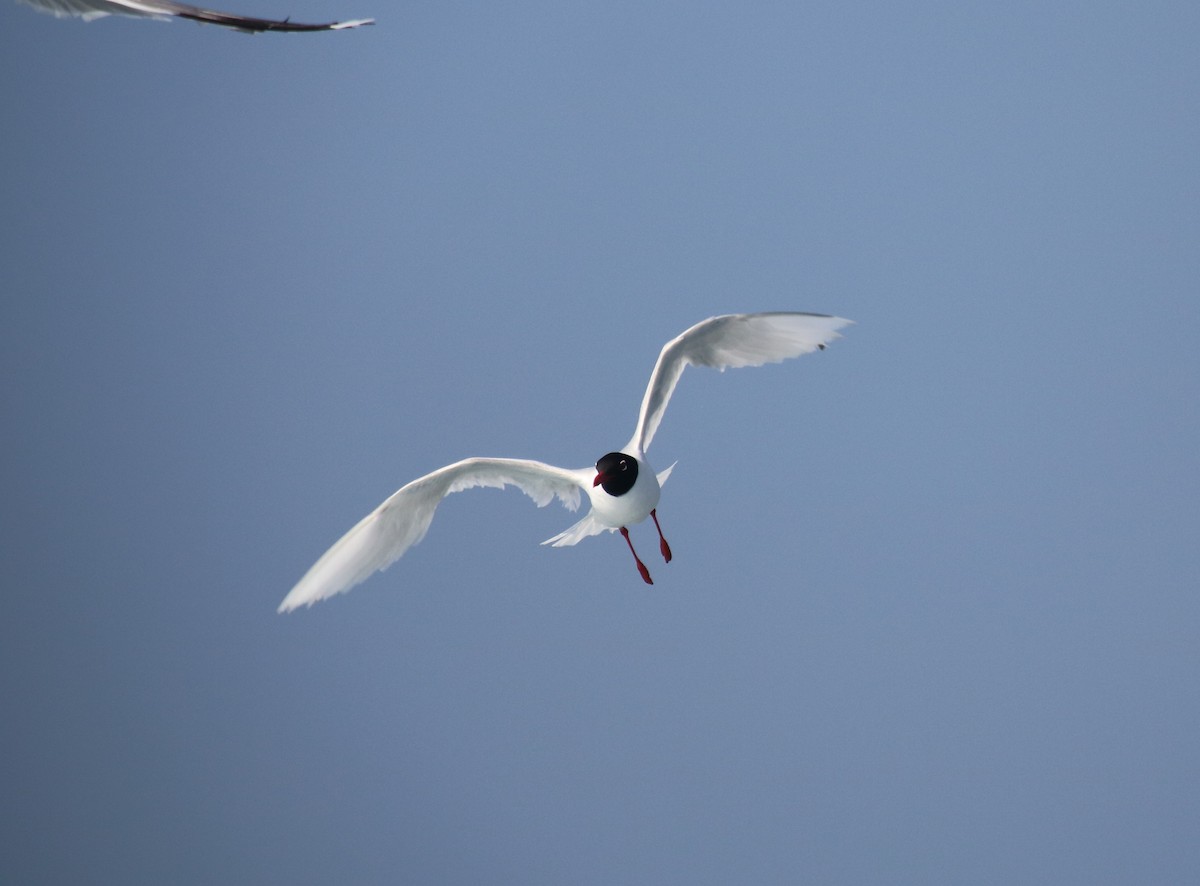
(589, 525)
(386, 533)
(163, 9)
(577, 532)
(730, 341)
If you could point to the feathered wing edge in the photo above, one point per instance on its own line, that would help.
(727, 342)
(383, 536)
(89, 10)
(589, 525)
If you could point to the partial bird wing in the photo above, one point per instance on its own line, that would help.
(730, 341)
(386, 533)
(577, 532)
(162, 9)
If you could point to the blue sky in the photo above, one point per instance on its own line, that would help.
(932, 615)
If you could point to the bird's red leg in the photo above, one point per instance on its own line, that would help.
(662, 542)
(640, 565)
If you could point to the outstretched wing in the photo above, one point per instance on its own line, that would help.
(92, 9)
(386, 533)
(730, 341)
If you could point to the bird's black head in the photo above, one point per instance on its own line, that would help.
(616, 473)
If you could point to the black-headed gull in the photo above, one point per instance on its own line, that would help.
(622, 488)
(164, 9)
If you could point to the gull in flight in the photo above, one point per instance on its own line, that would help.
(622, 488)
(165, 9)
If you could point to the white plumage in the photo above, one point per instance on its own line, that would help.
(622, 489)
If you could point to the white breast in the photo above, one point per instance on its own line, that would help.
(632, 507)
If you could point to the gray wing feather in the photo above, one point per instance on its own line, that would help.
(164, 9)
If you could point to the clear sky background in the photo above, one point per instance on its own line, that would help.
(933, 615)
